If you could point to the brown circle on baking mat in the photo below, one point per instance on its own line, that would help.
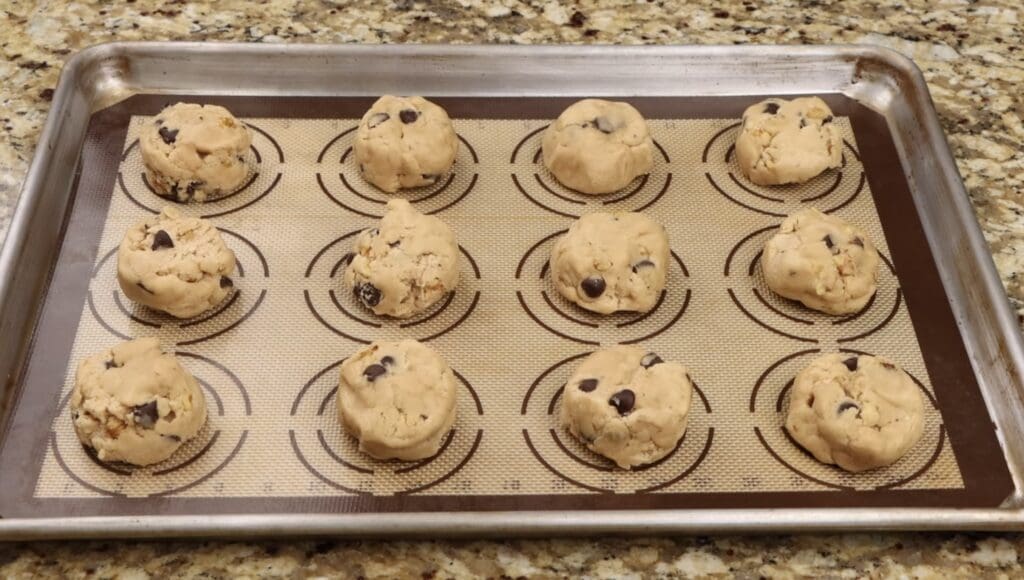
(333, 457)
(266, 161)
(333, 306)
(126, 319)
(540, 187)
(830, 191)
(570, 460)
(750, 294)
(195, 462)
(769, 404)
(344, 185)
(540, 300)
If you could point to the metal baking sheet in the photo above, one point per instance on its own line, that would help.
(270, 452)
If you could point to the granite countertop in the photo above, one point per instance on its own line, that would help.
(972, 55)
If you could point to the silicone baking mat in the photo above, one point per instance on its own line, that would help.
(268, 356)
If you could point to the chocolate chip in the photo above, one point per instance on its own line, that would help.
(146, 415)
(803, 123)
(642, 264)
(408, 116)
(826, 120)
(771, 108)
(623, 401)
(161, 240)
(395, 244)
(159, 122)
(193, 185)
(851, 363)
(650, 359)
(387, 361)
(889, 366)
(604, 125)
(377, 119)
(109, 364)
(168, 135)
(174, 438)
(830, 244)
(846, 405)
(174, 190)
(593, 286)
(226, 282)
(858, 242)
(368, 294)
(588, 385)
(374, 371)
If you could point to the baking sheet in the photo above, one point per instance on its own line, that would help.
(268, 358)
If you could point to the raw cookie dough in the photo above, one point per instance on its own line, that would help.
(609, 262)
(598, 146)
(822, 261)
(195, 152)
(628, 405)
(135, 404)
(176, 264)
(406, 265)
(397, 399)
(858, 412)
(405, 142)
(788, 141)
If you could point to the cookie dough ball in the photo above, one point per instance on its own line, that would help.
(135, 404)
(175, 264)
(788, 141)
(628, 405)
(405, 142)
(397, 399)
(598, 146)
(195, 152)
(858, 412)
(406, 265)
(822, 261)
(609, 262)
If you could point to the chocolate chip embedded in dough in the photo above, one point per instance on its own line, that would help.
(161, 240)
(604, 125)
(593, 286)
(388, 361)
(168, 135)
(845, 406)
(374, 371)
(857, 241)
(771, 108)
(588, 385)
(146, 415)
(377, 119)
(408, 116)
(368, 294)
(650, 359)
(826, 120)
(623, 401)
(851, 363)
(226, 282)
(642, 264)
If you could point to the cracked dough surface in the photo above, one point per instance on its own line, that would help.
(610, 262)
(822, 261)
(858, 412)
(195, 152)
(788, 141)
(405, 142)
(398, 399)
(627, 404)
(175, 264)
(404, 266)
(135, 404)
(598, 146)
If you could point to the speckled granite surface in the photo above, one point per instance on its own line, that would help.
(971, 52)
